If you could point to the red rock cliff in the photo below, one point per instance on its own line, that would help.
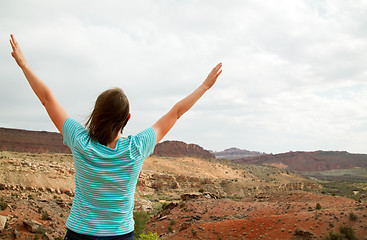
(180, 149)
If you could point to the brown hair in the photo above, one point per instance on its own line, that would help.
(109, 116)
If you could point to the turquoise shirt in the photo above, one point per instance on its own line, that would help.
(105, 180)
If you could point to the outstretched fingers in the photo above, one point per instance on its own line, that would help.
(17, 53)
(219, 73)
(12, 44)
(15, 43)
(212, 77)
(217, 70)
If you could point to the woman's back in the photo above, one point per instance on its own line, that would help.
(105, 180)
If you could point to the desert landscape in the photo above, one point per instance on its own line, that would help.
(187, 193)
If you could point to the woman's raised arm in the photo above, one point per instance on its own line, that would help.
(165, 123)
(54, 109)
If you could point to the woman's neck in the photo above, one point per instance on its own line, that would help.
(113, 143)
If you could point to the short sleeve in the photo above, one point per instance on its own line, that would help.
(145, 142)
(70, 131)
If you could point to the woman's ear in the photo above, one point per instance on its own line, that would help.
(129, 117)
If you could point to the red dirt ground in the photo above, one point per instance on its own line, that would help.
(274, 216)
(21, 208)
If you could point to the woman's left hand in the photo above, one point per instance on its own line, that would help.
(17, 53)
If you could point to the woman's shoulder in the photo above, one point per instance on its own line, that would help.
(73, 131)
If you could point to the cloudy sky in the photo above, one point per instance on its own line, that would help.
(294, 71)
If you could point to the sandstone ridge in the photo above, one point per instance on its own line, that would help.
(236, 153)
(309, 161)
(180, 149)
(17, 140)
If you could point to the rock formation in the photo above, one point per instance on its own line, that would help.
(309, 161)
(180, 149)
(17, 140)
(235, 153)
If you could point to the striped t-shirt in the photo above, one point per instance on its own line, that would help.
(105, 180)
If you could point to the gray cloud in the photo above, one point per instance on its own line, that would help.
(293, 70)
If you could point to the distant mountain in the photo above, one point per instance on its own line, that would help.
(180, 149)
(309, 161)
(17, 140)
(236, 153)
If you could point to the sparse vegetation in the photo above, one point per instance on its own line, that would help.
(173, 222)
(164, 205)
(346, 233)
(141, 218)
(45, 216)
(3, 205)
(40, 209)
(343, 182)
(148, 236)
(353, 217)
(318, 206)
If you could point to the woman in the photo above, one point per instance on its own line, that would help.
(106, 166)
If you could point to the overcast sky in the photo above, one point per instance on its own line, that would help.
(294, 71)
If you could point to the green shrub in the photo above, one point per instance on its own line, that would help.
(164, 205)
(3, 205)
(40, 209)
(45, 216)
(353, 217)
(333, 236)
(141, 218)
(318, 206)
(170, 229)
(201, 190)
(348, 233)
(173, 222)
(149, 236)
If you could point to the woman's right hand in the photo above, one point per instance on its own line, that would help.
(17, 53)
(212, 77)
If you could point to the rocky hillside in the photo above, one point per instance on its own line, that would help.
(236, 153)
(309, 161)
(37, 189)
(17, 140)
(181, 149)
